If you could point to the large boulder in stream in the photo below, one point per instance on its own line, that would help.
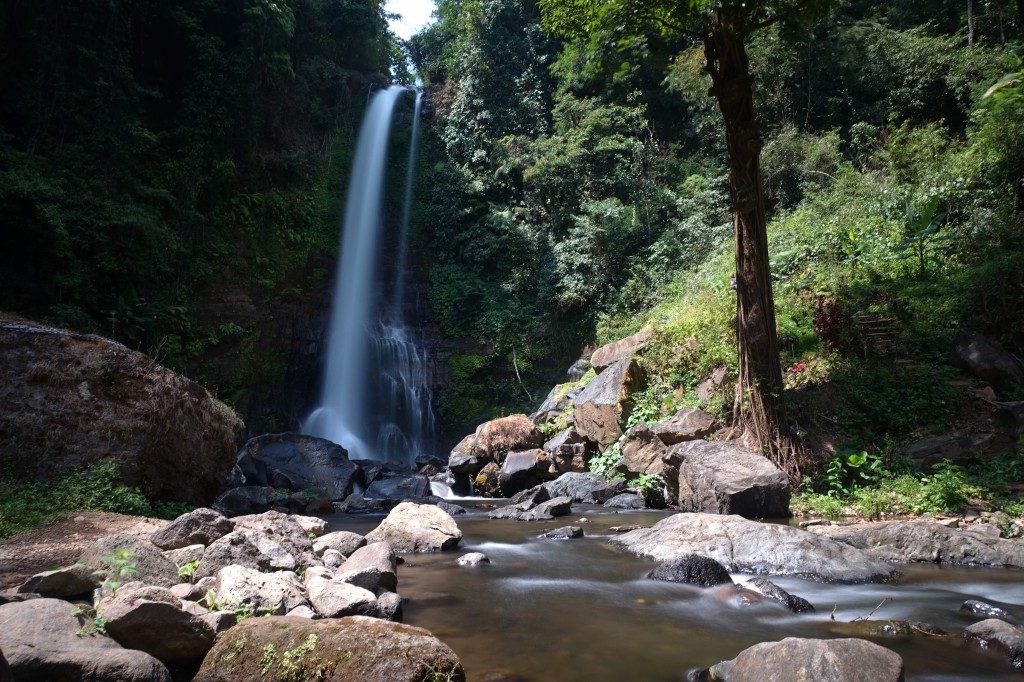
(338, 650)
(297, 462)
(412, 527)
(809, 660)
(44, 640)
(522, 470)
(580, 487)
(491, 442)
(742, 545)
(929, 542)
(724, 478)
(602, 408)
(71, 400)
(998, 635)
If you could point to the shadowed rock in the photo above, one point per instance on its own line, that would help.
(723, 478)
(692, 569)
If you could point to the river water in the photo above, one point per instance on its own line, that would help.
(581, 609)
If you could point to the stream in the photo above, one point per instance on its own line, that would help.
(582, 609)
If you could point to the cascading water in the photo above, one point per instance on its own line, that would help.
(376, 398)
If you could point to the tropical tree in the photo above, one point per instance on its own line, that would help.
(723, 28)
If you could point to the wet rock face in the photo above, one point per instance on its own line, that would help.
(296, 462)
(602, 408)
(983, 610)
(769, 590)
(723, 478)
(79, 399)
(353, 648)
(692, 569)
(1001, 636)
(749, 546)
(813, 660)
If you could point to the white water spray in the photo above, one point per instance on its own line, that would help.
(376, 398)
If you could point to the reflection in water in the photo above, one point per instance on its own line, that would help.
(581, 609)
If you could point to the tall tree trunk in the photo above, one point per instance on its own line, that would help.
(970, 22)
(758, 408)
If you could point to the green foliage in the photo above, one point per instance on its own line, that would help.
(605, 463)
(188, 570)
(647, 483)
(97, 488)
(120, 566)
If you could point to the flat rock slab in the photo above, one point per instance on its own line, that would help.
(749, 546)
(351, 648)
(929, 542)
(810, 660)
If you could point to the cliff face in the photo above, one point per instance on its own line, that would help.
(68, 400)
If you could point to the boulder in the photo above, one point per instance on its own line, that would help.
(332, 558)
(1000, 636)
(63, 583)
(626, 501)
(275, 593)
(389, 606)
(711, 385)
(222, 620)
(40, 640)
(564, 533)
(558, 400)
(928, 542)
(989, 361)
(298, 462)
(335, 598)
(578, 487)
(955, 448)
(603, 407)
(751, 547)
(463, 460)
(237, 548)
(530, 498)
(495, 439)
(769, 590)
(578, 369)
(472, 559)
(249, 499)
(151, 566)
(353, 648)
(342, 541)
(692, 569)
(283, 529)
(568, 451)
(357, 504)
(724, 478)
(688, 423)
(399, 487)
(187, 591)
(302, 612)
(151, 619)
(523, 469)
(608, 490)
(81, 399)
(451, 509)
(528, 511)
(983, 609)
(198, 527)
(185, 555)
(608, 354)
(809, 660)
(642, 451)
(313, 525)
(371, 567)
(412, 527)
(487, 481)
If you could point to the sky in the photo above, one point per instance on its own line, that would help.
(415, 15)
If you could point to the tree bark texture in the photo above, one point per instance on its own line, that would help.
(758, 409)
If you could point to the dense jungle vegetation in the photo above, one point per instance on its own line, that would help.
(160, 159)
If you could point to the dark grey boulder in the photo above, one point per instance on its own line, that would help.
(555, 507)
(955, 448)
(724, 478)
(530, 497)
(249, 499)
(578, 369)
(63, 583)
(298, 462)
(564, 533)
(688, 423)
(578, 487)
(809, 660)
(343, 541)
(998, 635)
(610, 489)
(40, 640)
(568, 450)
(451, 509)
(989, 361)
(769, 590)
(929, 542)
(522, 470)
(626, 501)
(151, 619)
(399, 487)
(197, 527)
(692, 569)
(747, 546)
(601, 410)
(984, 610)
(642, 451)
(557, 401)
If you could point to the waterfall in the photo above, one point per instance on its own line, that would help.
(376, 398)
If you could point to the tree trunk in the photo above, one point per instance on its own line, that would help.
(970, 22)
(758, 409)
